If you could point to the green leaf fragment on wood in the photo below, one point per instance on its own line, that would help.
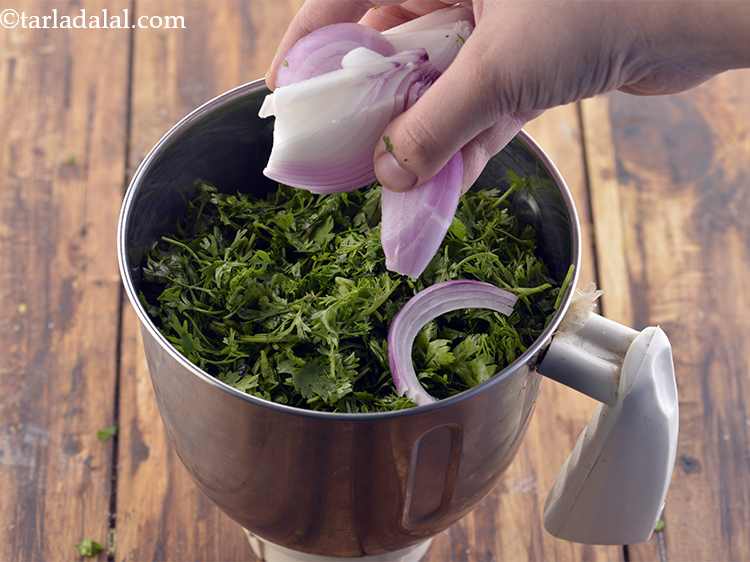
(89, 548)
(659, 527)
(111, 542)
(286, 297)
(106, 433)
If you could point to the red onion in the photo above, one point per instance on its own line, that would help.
(414, 222)
(424, 307)
(441, 33)
(326, 127)
(321, 52)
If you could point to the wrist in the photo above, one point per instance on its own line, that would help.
(709, 36)
(732, 30)
(721, 29)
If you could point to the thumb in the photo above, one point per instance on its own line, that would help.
(455, 109)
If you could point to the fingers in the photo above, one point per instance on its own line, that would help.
(315, 14)
(386, 17)
(455, 109)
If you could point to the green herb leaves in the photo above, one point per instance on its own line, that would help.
(286, 297)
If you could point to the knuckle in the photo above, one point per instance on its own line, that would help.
(508, 91)
(495, 83)
(483, 70)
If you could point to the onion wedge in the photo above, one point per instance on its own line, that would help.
(326, 127)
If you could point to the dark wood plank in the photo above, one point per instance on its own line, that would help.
(508, 524)
(161, 514)
(62, 151)
(670, 180)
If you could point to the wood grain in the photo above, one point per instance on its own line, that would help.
(161, 514)
(62, 151)
(670, 180)
(508, 525)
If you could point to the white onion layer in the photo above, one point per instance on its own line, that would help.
(441, 33)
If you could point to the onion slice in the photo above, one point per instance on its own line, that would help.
(424, 307)
(321, 52)
(415, 222)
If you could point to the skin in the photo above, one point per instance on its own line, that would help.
(527, 56)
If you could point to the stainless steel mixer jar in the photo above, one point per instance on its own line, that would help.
(323, 483)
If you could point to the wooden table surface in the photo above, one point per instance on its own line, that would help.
(663, 187)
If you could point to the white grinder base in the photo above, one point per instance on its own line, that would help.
(271, 552)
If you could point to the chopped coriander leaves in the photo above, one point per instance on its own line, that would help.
(286, 297)
(106, 433)
(89, 548)
(659, 527)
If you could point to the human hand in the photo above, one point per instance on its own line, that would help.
(525, 57)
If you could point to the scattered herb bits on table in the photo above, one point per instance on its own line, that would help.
(286, 297)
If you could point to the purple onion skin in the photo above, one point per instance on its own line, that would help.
(415, 222)
(321, 51)
(323, 179)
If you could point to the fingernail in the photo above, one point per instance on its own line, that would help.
(392, 175)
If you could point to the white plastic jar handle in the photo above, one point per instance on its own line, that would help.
(612, 487)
